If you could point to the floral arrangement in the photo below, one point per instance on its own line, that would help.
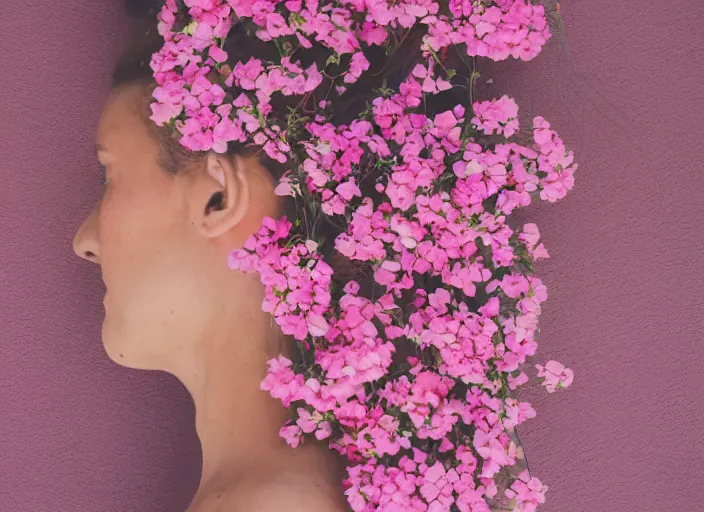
(410, 374)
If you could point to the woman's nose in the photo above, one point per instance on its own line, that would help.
(85, 243)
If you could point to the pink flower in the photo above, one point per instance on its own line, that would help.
(217, 53)
(292, 434)
(317, 325)
(556, 375)
(358, 65)
(500, 116)
(348, 190)
(372, 34)
(529, 492)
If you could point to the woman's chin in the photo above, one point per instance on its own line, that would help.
(114, 345)
(126, 350)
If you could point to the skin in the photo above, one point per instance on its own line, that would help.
(172, 304)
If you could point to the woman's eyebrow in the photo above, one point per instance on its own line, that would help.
(99, 147)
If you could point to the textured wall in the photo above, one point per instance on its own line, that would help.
(81, 434)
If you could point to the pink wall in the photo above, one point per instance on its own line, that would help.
(80, 434)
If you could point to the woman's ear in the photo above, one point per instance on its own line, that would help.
(221, 195)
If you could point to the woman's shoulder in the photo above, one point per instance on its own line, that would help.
(291, 492)
(307, 479)
(276, 491)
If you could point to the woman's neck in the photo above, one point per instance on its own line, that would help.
(237, 423)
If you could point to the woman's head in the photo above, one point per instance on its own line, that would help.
(169, 217)
(162, 238)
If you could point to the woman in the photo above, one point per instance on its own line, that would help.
(169, 219)
(161, 233)
(173, 305)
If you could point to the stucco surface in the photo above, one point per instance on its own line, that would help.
(81, 434)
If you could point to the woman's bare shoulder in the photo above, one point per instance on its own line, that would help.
(289, 492)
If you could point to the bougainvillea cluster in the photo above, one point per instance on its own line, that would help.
(409, 375)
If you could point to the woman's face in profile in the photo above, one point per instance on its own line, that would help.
(161, 274)
(137, 221)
